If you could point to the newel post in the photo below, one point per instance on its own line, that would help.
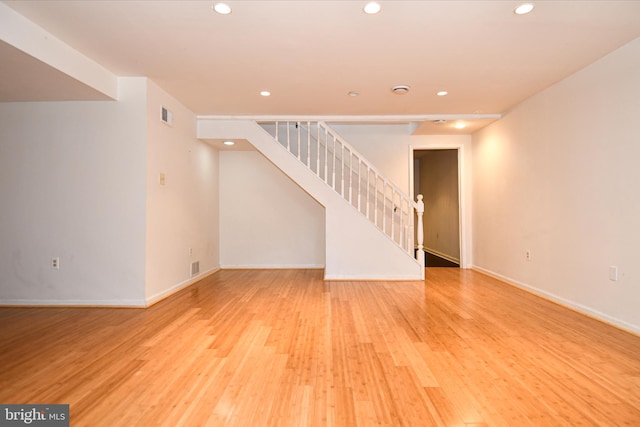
(420, 232)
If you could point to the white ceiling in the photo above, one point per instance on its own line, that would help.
(310, 54)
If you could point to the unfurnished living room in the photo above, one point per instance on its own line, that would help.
(319, 213)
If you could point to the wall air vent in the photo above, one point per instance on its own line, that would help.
(166, 117)
(195, 268)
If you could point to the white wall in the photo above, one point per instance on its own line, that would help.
(266, 220)
(72, 185)
(26, 36)
(182, 214)
(390, 148)
(559, 176)
(386, 146)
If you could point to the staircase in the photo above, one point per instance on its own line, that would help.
(369, 221)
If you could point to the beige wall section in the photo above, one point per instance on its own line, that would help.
(384, 145)
(73, 187)
(439, 186)
(558, 176)
(66, 63)
(182, 214)
(266, 219)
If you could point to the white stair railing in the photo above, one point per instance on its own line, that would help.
(348, 173)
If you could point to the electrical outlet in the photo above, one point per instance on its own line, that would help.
(190, 251)
(55, 263)
(527, 255)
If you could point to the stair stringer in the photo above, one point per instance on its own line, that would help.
(355, 248)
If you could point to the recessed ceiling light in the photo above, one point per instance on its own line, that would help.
(460, 125)
(229, 143)
(265, 93)
(523, 9)
(372, 8)
(442, 93)
(354, 93)
(222, 8)
(400, 89)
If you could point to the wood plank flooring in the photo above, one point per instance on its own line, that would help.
(284, 348)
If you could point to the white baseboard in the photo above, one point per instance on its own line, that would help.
(124, 303)
(137, 303)
(620, 324)
(270, 267)
(164, 294)
(339, 277)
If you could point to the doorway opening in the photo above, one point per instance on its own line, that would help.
(436, 177)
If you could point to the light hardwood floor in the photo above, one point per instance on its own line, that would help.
(282, 347)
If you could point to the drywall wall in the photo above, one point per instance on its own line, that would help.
(72, 185)
(438, 183)
(181, 213)
(266, 220)
(386, 146)
(390, 148)
(24, 35)
(558, 176)
(358, 250)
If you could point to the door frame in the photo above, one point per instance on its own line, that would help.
(464, 194)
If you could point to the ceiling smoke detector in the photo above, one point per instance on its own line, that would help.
(400, 90)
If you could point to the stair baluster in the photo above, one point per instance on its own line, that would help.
(387, 201)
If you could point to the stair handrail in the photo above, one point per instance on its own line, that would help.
(370, 166)
(414, 208)
(386, 183)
